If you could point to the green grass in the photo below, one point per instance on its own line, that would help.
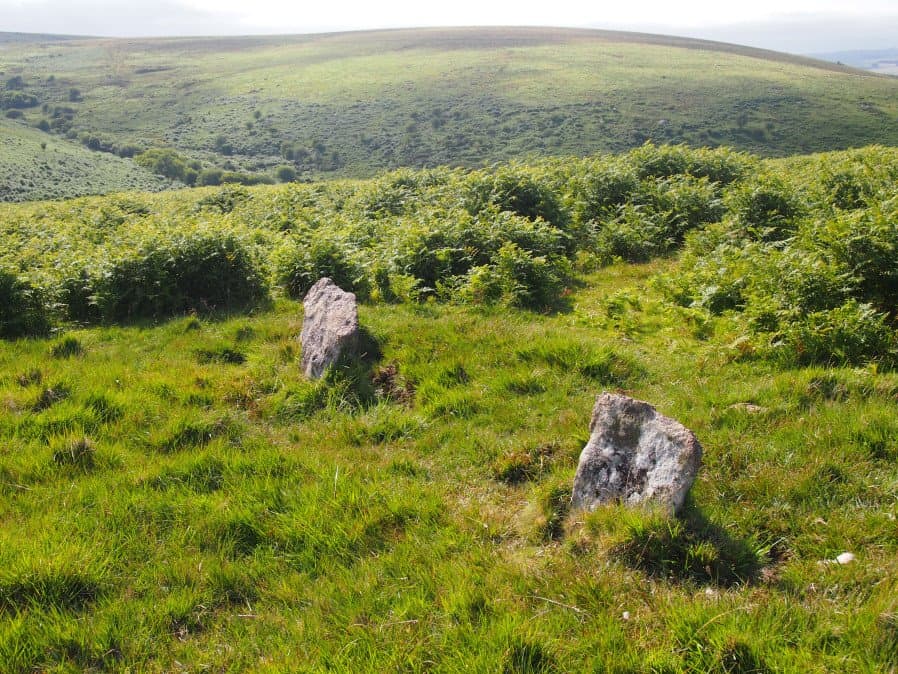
(35, 165)
(353, 104)
(166, 510)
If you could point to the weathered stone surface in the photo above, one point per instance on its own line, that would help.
(330, 327)
(635, 455)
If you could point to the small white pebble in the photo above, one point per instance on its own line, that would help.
(845, 558)
(626, 615)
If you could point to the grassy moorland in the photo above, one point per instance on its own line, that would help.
(178, 498)
(354, 104)
(38, 166)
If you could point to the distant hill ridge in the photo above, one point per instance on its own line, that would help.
(353, 104)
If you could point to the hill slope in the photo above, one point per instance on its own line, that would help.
(34, 165)
(353, 103)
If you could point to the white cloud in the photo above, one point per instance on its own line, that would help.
(788, 25)
(109, 17)
(361, 14)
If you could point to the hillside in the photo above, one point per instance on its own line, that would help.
(354, 103)
(35, 165)
(177, 496)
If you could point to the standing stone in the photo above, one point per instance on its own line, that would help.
(330, 327)
(635, 455)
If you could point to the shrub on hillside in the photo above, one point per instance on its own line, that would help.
(17, 100)
(223, 146)
(635, 235)
(240, 178)
(23, 308)
(168, 163)
(435, 250)
(224, 200)
(76, 293)
(303, 259)
(866, 243)
(515, 189)
(637, 219)
(766, 208)
(209, 177)
(392, 195)
(442, 246)
(603, 188)
(851, 334)
(681, 203)
(285, 174)
(719, 165)
(653, 161)
(519, 278)
(128, 150)
(201, 272)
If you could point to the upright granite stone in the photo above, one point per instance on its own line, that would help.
(330, 327)
(635, 455)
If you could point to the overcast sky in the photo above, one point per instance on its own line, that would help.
(800, 26)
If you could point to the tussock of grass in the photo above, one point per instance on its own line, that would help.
(203, 475)
(190, 432)
(520, 465)
(49, 589)
(221, 353)
(51, 396)
(67, 348)
(77, 453)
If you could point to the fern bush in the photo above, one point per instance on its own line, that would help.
(302, 259)
(516, 277)
(515, 189)
(766, 207)
(24, 311)
(811, 270)
(850, 334)
(195, 272)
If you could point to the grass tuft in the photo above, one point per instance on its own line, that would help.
(51, 396)
(33, 377)
(56, 589)
(77, 453)
(220, 353)
(522, 465)
(190, 432)
(67, 348)
(525, 657)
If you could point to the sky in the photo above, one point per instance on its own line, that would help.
(799, 26)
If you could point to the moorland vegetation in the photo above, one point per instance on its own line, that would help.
(801, 249)
(140, 114)
(176, 495)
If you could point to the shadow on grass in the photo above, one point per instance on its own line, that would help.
(689, 547)
(352, 378)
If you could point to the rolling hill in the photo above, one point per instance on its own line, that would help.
(351, 104)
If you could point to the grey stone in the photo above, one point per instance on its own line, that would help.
(635, 455)
(330, 327)
(748, 408)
